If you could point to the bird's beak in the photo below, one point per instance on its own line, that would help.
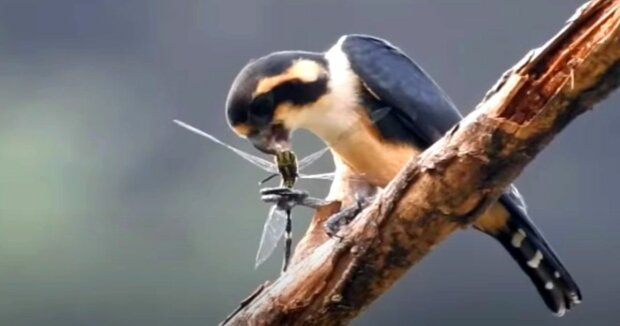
(272, 139)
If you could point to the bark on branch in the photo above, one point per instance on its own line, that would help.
(446, 187)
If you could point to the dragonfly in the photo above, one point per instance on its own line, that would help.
(279, 219)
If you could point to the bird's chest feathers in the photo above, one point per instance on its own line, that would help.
(364, 152)
(356, 141)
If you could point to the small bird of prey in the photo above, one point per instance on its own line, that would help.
(328, 93)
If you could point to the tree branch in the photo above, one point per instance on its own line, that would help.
(452, 182)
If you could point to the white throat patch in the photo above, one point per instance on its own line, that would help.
(338, 112)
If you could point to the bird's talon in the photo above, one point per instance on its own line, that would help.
(332, 231)
(335, 222)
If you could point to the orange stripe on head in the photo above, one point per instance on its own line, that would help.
(304, 70)
(242, 130)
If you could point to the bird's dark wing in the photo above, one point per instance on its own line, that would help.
(421, 112)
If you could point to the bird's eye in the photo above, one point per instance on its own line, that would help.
(263, 105)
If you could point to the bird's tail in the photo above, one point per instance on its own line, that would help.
(537, 259)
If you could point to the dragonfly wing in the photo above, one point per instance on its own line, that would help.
(319, 176)
(306, 161)
(260, 162)
(379, 114)
(272, 233)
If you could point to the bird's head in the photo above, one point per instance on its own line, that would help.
(272, 96)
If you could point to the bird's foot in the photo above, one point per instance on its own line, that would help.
(287, 198)
(335, 222)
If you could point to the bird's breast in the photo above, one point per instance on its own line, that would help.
(371, 157)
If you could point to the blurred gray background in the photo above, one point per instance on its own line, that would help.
(112, 215)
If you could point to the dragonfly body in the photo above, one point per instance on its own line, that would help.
(287, 167)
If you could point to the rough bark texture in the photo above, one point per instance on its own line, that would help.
(447, 186)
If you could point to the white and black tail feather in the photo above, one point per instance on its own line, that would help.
(529, 249)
